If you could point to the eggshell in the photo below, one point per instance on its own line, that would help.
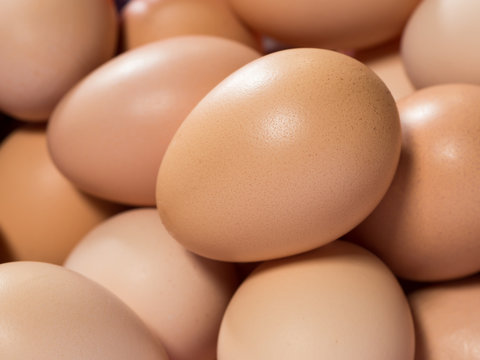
(47, 47)
(447, 320)
(49, 312)
(109, 134)
(337, 302)
(285, 155)
(147, 21)
(181, 296)
(426, 228)
(440, 43)
(340, 24)
(42, 216)
(386, 62)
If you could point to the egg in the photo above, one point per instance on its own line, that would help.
(447, 320)
(337, 302)
(42, 215)
(426, 228)
(288, 153)
(179, 295)
(109, 134)
(439, 44)
(387, 63)
(49, 312)
(340, 24)
(47, 47)
(147, 21)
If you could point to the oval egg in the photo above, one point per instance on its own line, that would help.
(179, 295)
(109, 134)
(288, 153)
(48, 48)
(337, 302)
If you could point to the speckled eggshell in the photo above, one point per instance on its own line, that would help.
(109, 134)
(387, 63)
(337, 302)
(147, 21)
(427, 226)
(440, 43)
(340, 24)
(179, 295)
(447, 320)
(46, 47)
(42, 215)
(285, 155)
(49, 312)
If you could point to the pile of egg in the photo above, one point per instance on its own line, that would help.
(240, 179)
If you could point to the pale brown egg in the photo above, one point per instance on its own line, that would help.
(49, 312)
(146, 21)
(440, 43)
(42, 215)
(387, 63)
(109, 134)
(337, 302)
(179, 295)
(47, 47)
(427, 226)
(340, 24)
(288, 153)
(447, 320)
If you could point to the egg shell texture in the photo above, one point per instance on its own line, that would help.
(286, 154)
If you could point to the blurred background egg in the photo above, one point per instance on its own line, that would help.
(179, 295)
(288, 153)
(340, 24)
(42, 215)
(147, 21)
(109, 134)
(440, 43)
(337, 302)
(47, 47)
(447, 320)
(427, 226)
(49, 312)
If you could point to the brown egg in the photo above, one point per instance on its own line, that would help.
(386, 62)
(440, 43)
(181, 296)
(340, 24)
(337, 302)
(152, 20)
(447, 320)
(426, 227)
(49, 312)
(47, 48)
(109, 134)
(42, 216)
(286, 154)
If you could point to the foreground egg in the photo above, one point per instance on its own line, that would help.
(286, 154)
(45, 49)
(42, 215)
(427, 226)
(48, 312)
(179, 295)
(108, 134)
(339, 24)
(447, 320)
(337, 302)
